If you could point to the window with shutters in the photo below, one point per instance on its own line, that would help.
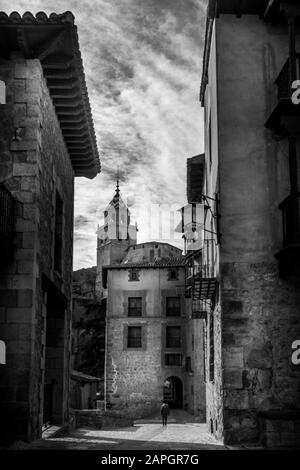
(173, 337)
(188, 364)
(134, 275)
(173, 359)
(134, 337)
(134, 306)
(173, 306)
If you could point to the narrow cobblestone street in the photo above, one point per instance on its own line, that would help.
(182, 433)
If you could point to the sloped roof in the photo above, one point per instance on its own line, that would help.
(177, 261)
(54, 41)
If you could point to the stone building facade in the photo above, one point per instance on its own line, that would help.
(88, 329)
(145, 330)
(252, 162)
(153, 347)
(191, 227)
(46, 138)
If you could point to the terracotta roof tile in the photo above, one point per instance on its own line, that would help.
(178, 261)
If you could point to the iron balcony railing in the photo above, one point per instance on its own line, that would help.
(204, 271)
(290, 208)
(199, 270)
(199, 308)
(7, 223)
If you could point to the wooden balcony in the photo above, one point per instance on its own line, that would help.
(205, 283)
(285, 106)
(7, 224)
(199, 309)
(289, 255)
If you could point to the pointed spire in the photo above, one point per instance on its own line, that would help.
(118, 188)
(118, 179)
(116, 197)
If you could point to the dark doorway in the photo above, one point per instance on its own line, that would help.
(54, 362)
(173, 392)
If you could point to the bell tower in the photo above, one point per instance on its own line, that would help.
(113, 237)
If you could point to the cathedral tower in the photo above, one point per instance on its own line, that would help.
(113, 237)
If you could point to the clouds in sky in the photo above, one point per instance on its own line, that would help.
(143, 61)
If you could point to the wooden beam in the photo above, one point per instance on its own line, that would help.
(76, 111)
(23, 43)
(72, 141)
(50, 45)
(67, 102)
(72, 119)
(64, 84)
(58, 62)
(79, 147)
(70, 93)
(68, 134)
(74, 126)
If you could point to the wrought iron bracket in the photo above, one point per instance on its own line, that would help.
(214, 213)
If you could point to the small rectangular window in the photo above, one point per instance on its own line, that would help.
(135, 306)
(188, 364)
(134, 275)
(173, 337)
(173, 360)
(173, 274)
(173, 306)
(134, 337)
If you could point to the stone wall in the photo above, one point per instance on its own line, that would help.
(194, 384)
(36, 165)
(135, 378)
(260, 311)
(260, 320)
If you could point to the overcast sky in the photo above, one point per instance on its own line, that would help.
(143, 61)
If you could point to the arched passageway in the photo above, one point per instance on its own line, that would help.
(173, 392)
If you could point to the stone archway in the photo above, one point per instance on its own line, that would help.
(173, 392)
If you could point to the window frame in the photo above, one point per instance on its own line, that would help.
(168, 314)
(131, 308)
(172, 277)
(174, 354)
(133, 275)
(128, 337)
(171, 339)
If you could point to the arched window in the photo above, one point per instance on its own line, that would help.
(2, 92)
(2, 353)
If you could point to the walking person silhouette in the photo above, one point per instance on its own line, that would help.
(164, 411)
